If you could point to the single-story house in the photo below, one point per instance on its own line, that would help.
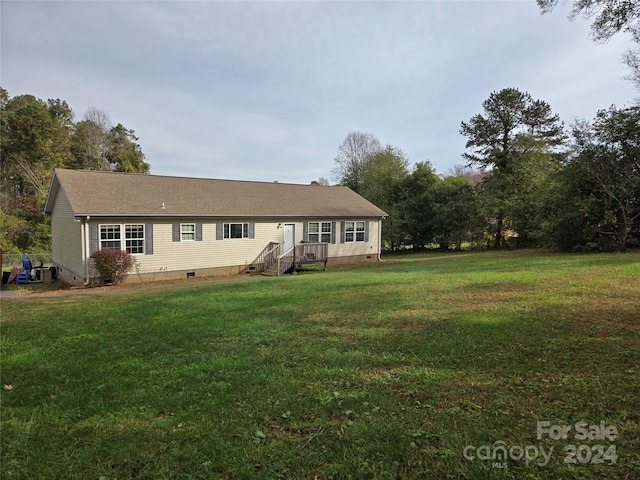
(177, 227)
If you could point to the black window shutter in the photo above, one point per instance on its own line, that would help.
(342, 232)
(148, 238)
(333, 232)
(94, 240)
(176, 232)
(198, 232)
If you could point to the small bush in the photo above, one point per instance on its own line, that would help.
(113, 265)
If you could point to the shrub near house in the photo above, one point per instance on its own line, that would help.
(113, 265)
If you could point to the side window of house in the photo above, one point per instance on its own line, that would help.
(320, 232)
(187, 232)
(236, 230)
(134, 238)
(354, 231)
(226, 231)
(111, 238)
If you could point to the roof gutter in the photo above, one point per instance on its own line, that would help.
(221, 215)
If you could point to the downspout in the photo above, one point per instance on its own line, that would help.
(87, 250)
(380, 238)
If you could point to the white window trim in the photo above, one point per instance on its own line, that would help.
(320, 233)
(355, 231)
(123, 234)
(226, 228)
(187, 232)
(142, 239)
(102, 241)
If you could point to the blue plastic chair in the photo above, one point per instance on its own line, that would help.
(22, 277)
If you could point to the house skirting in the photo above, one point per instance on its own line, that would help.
(352, 259)
(149, 277)
(179, 274)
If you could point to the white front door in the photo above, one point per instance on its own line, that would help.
(289, 236)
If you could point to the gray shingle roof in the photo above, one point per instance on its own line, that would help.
(124, 194)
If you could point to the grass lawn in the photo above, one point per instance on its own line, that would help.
(420, 366)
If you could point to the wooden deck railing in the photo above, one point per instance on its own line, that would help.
(265, 259)
(271, 255)
(302, 254)
(310, 253)
(285, 261)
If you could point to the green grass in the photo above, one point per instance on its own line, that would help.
(383, 370)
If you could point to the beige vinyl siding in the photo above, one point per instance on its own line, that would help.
(207, 253)
(369, 247)
(66, 234)
(350, 249)
(171, 256)
(337, 249)
(211, 253)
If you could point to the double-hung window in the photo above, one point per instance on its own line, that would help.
(111, 237)
(134, 238)
(320, 232)
(354, 231)
(187, 232)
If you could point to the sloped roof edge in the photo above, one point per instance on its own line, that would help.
(124, 194)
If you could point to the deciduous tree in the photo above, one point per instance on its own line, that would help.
(457, 215)
(124, 153)
(350, 161)
(382, 171)
(609, 152)
(416, 199)
(90, 142)
(474, 175)
(35, 138)
(321, 181)
(382, 174)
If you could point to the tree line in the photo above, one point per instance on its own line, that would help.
(37, 136)
(528, 181)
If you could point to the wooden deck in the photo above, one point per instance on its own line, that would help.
(272, 261)
(311, 253)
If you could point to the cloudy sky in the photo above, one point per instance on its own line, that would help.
(269, 90)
